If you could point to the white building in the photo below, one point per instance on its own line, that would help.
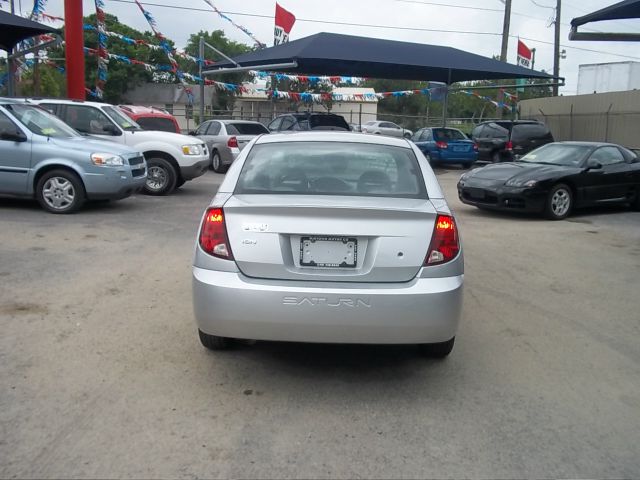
(608, 77)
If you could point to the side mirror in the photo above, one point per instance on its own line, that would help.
(593, 165)
(111, 129)
(192, 132)
(16, 136)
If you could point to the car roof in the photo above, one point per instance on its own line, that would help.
(227, 122)
(68, 102)
(589, 144)
(8, 100)
(329, 136)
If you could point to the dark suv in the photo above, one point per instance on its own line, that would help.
(296, 122)
(501, 141)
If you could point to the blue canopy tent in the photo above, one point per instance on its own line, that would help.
(619, 11)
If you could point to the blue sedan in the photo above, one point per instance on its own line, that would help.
(446, 145)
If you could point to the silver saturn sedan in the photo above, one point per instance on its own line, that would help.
(329, 237)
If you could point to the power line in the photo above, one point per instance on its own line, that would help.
(390, 27)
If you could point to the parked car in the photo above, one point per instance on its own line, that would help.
(296, 122)
(446, 145)
(329, 237)
(42, 157)
(386, 128)
(500, 141)
(151, 118)
(226, 138)
(555, 179)
(172, 159)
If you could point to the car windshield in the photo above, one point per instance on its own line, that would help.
(123, 121)
(41, 122)
(447, 134)
(246, 129)
(331, 168)
(327, 122)
(557, 154)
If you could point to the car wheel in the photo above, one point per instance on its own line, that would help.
(161, 177)
(213, 342)
(60, 191)
(407, 135)
(467, 165)
(216, 163)
(436, 350)
(181, 181)
(428, 157)
(559, 202)
(496, 157)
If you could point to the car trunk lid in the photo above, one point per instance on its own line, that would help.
(299, 237)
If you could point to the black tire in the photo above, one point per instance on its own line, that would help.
(428, 157)
(407, 135)
(467, 165)
(60, 191)
(181, 181)
(496, 157)
(213, 342)
(635, 205)
(436, 350)
(216, 163)
(161, 177)
(559, 202)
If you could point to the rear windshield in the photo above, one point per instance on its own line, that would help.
(331, 168)
(246, 129)
(157, 123)
(327, 122)
(525, 131)
(447, 134)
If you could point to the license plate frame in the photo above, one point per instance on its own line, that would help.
(324, 251)
(460, 149)
(476, 193)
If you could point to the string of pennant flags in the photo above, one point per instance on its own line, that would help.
(246, 31)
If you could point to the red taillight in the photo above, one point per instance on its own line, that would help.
(213, 235)
(509, 146)
(232, 142)
(475, 147)
(442, 145)
(444, 244)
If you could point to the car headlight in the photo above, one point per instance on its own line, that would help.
(520, 182)
(106, 159)
(191, 149)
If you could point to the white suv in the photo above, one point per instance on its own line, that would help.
(172, 159)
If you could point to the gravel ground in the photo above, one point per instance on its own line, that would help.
(103, 375)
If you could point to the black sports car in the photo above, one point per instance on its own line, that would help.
(556, 178)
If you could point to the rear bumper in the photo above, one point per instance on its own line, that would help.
(424, 310)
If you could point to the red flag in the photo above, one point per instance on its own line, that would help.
(524, 55)
(284, 24)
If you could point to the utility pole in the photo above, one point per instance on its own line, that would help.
(505, 30)
(556, 49)
(505, 48)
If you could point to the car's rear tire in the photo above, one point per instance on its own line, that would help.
(559, 202)
(467, 165)
(216, 163)
(181, 181)
(428, 157)
(436, 350)
(213, 342)
(496, 157)
(60, 191)
(161, 177)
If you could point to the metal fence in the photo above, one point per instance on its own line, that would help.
(605, 117)
(189, 119)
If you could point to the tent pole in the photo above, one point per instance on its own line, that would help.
(445, 103)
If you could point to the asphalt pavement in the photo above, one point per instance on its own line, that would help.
(103, 375)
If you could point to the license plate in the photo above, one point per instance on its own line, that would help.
(328, 252)
(476, 192)
(460, 149)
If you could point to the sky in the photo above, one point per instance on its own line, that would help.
(530, 19)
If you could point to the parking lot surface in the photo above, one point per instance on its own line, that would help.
(103, 375)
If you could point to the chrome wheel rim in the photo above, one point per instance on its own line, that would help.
(58, 193)
(216, 161)
(156, 177)
(560, 202)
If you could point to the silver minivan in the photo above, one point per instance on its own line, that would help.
(43, 157)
